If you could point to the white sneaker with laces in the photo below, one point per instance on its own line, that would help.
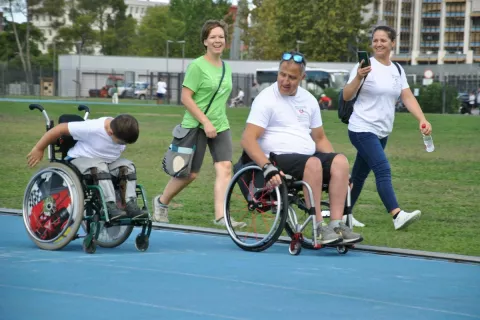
(405, 218)
(355, 222)
(160, 213)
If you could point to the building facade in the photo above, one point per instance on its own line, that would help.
(137, 8)
(433, 31)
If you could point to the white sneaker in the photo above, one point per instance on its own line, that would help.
(160, 213)
(406, 218)
(235, 224)
(355, 222)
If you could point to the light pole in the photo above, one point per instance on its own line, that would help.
(298, 44)
(183, 51)
(53, 69)
(168, 41)
(79, 74)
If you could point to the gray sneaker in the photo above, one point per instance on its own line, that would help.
(235, 224)
(326, 235)
(114, 212)
(347, 234)
(160, 212)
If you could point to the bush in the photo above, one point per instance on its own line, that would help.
(431, 98)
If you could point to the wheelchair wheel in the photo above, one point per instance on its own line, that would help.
(113, 235)
(53, 206)
(263, 210)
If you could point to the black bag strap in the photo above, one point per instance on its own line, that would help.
(213, 97)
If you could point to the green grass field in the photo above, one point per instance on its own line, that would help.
(443, 184)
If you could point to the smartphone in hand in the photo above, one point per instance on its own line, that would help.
(363, 55)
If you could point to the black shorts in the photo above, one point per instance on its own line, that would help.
(294, 163)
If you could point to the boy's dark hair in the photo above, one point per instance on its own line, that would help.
(209, 25)
(392, 34)
(125, 127)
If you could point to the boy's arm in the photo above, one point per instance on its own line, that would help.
(36, 155)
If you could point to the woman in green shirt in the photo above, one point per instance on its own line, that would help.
(202, 79)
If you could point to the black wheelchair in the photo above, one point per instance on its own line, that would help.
(270, 211)
(58, 200)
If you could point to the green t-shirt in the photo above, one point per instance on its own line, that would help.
(203, 79)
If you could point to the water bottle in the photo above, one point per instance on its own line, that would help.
(428, 141)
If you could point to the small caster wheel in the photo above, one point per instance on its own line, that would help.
(141, 242)
(295, 248)
(342, 249)
(90, 248)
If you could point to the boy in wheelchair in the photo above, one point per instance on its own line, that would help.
(284, 135)
(96, 154)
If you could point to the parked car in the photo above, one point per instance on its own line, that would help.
(142, 90)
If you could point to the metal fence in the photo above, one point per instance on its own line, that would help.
(88, 84)
(95, 84)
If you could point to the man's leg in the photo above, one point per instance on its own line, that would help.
(309, 169)
(85, 166)
(337, 176)
(313, 175)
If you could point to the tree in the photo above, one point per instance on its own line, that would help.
(194, 13)
(158, 26)
(264, 35)
(28, 9)
(120, 36)
(326, 28)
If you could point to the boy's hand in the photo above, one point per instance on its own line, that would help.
(34, 157)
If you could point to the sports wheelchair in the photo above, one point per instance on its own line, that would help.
(59, 199)
(272, 210)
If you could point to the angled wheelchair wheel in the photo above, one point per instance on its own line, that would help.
(109, 236)
(261, 210)
(53, 206)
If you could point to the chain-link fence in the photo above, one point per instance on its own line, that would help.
(138, 86)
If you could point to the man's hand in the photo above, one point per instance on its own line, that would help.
(272, 175)
(210, 130)
(34, 157)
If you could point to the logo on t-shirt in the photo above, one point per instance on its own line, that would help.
(302, 114)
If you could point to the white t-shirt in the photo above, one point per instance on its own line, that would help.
(241, 94)
(161, 87)
(93, 141)
(287, 121)
(374, 109)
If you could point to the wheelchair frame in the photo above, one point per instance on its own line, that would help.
(290, 194)
(92, 207)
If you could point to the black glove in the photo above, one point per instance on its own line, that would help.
(269, 170)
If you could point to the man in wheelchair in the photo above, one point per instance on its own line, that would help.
(284, 135)
(99, 145)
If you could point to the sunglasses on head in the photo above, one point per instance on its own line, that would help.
(297, 57)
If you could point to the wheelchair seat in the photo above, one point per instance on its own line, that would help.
(65, 143)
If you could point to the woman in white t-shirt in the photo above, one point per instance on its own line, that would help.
(372, 120)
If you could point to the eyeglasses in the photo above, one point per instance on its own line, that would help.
(297, 57)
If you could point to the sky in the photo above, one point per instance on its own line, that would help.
(19, 18)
